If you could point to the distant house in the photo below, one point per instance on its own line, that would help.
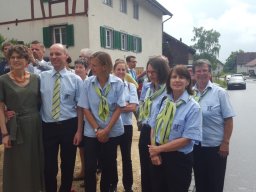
(251, 66)
(119, 27)
(219, 68)
(242, 60)
(176, 51)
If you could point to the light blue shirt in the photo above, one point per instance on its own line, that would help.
(133, 74)
(216, 107)
(144, 89)
(187, 122)
(41, 66)
(130, 95)
(155, 103)
(70, 88)
(89, 99)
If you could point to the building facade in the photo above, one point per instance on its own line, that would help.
(119, 27)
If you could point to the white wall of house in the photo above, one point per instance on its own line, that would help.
(242, 69)
(29, 31)
(218, 70)
(148, 27)
(87, 29)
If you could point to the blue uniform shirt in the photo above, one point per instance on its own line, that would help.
(89, 99)
(216, 107)
(130, 95)
(187, 122)
(144, 89)
(70, 88)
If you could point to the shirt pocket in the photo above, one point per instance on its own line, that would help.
(178, 127)
(112, 101)
(68, 96)
(210, 109)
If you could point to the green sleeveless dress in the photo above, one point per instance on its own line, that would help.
(23, 163)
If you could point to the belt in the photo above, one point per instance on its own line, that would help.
(60, 122)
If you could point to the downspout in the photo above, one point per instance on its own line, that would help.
(163, 30)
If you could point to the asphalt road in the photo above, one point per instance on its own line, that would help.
(241, 167)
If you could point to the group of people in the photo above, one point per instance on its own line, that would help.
(46, 108)
(185, 126)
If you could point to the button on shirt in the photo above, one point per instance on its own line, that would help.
(130, 94)
(187, 122)
(216, 107)
(89, 99)
(71, 86)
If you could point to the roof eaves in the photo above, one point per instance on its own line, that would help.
(160, 7)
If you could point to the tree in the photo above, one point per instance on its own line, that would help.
(230, 65)
(206, 44)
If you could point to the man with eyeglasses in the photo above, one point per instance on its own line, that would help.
(38, 64)
(131, 62)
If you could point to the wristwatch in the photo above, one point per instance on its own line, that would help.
(97, 129)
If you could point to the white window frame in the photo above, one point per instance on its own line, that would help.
(123, 6)
(108, 2)
(124, 41)
(62, 34)
(135, 44)
(109, 38)
(135, 9)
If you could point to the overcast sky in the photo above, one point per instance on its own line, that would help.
(233, 19)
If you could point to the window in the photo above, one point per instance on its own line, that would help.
(108, 2)
(63, 34)
(60, 35)
(123, 6)
(123, 41)
(109, 38)
(106, 37)
(135, 9)
(136, 44)
(53, 0)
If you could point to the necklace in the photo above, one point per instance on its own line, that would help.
(21, 79)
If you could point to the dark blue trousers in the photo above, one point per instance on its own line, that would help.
(209, 169)
(59, 136)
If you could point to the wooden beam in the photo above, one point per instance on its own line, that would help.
(16, 21)
(86, 7)
(74, 7)
(66, 7)
(50, 8)
(32, 9)
(42, 8)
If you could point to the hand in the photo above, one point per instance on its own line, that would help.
(224, 149)
(6, 141)
(153, 150)
(156, 160)
(31, 56)
(102, 135)
(77, 138)
(9, 114)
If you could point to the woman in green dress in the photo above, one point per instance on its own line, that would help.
(22, 133)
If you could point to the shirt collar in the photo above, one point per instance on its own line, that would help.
(62, 72)
(208, 86)
(111, 79)
(184, 97)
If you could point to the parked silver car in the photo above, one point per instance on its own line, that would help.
(236, 82)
